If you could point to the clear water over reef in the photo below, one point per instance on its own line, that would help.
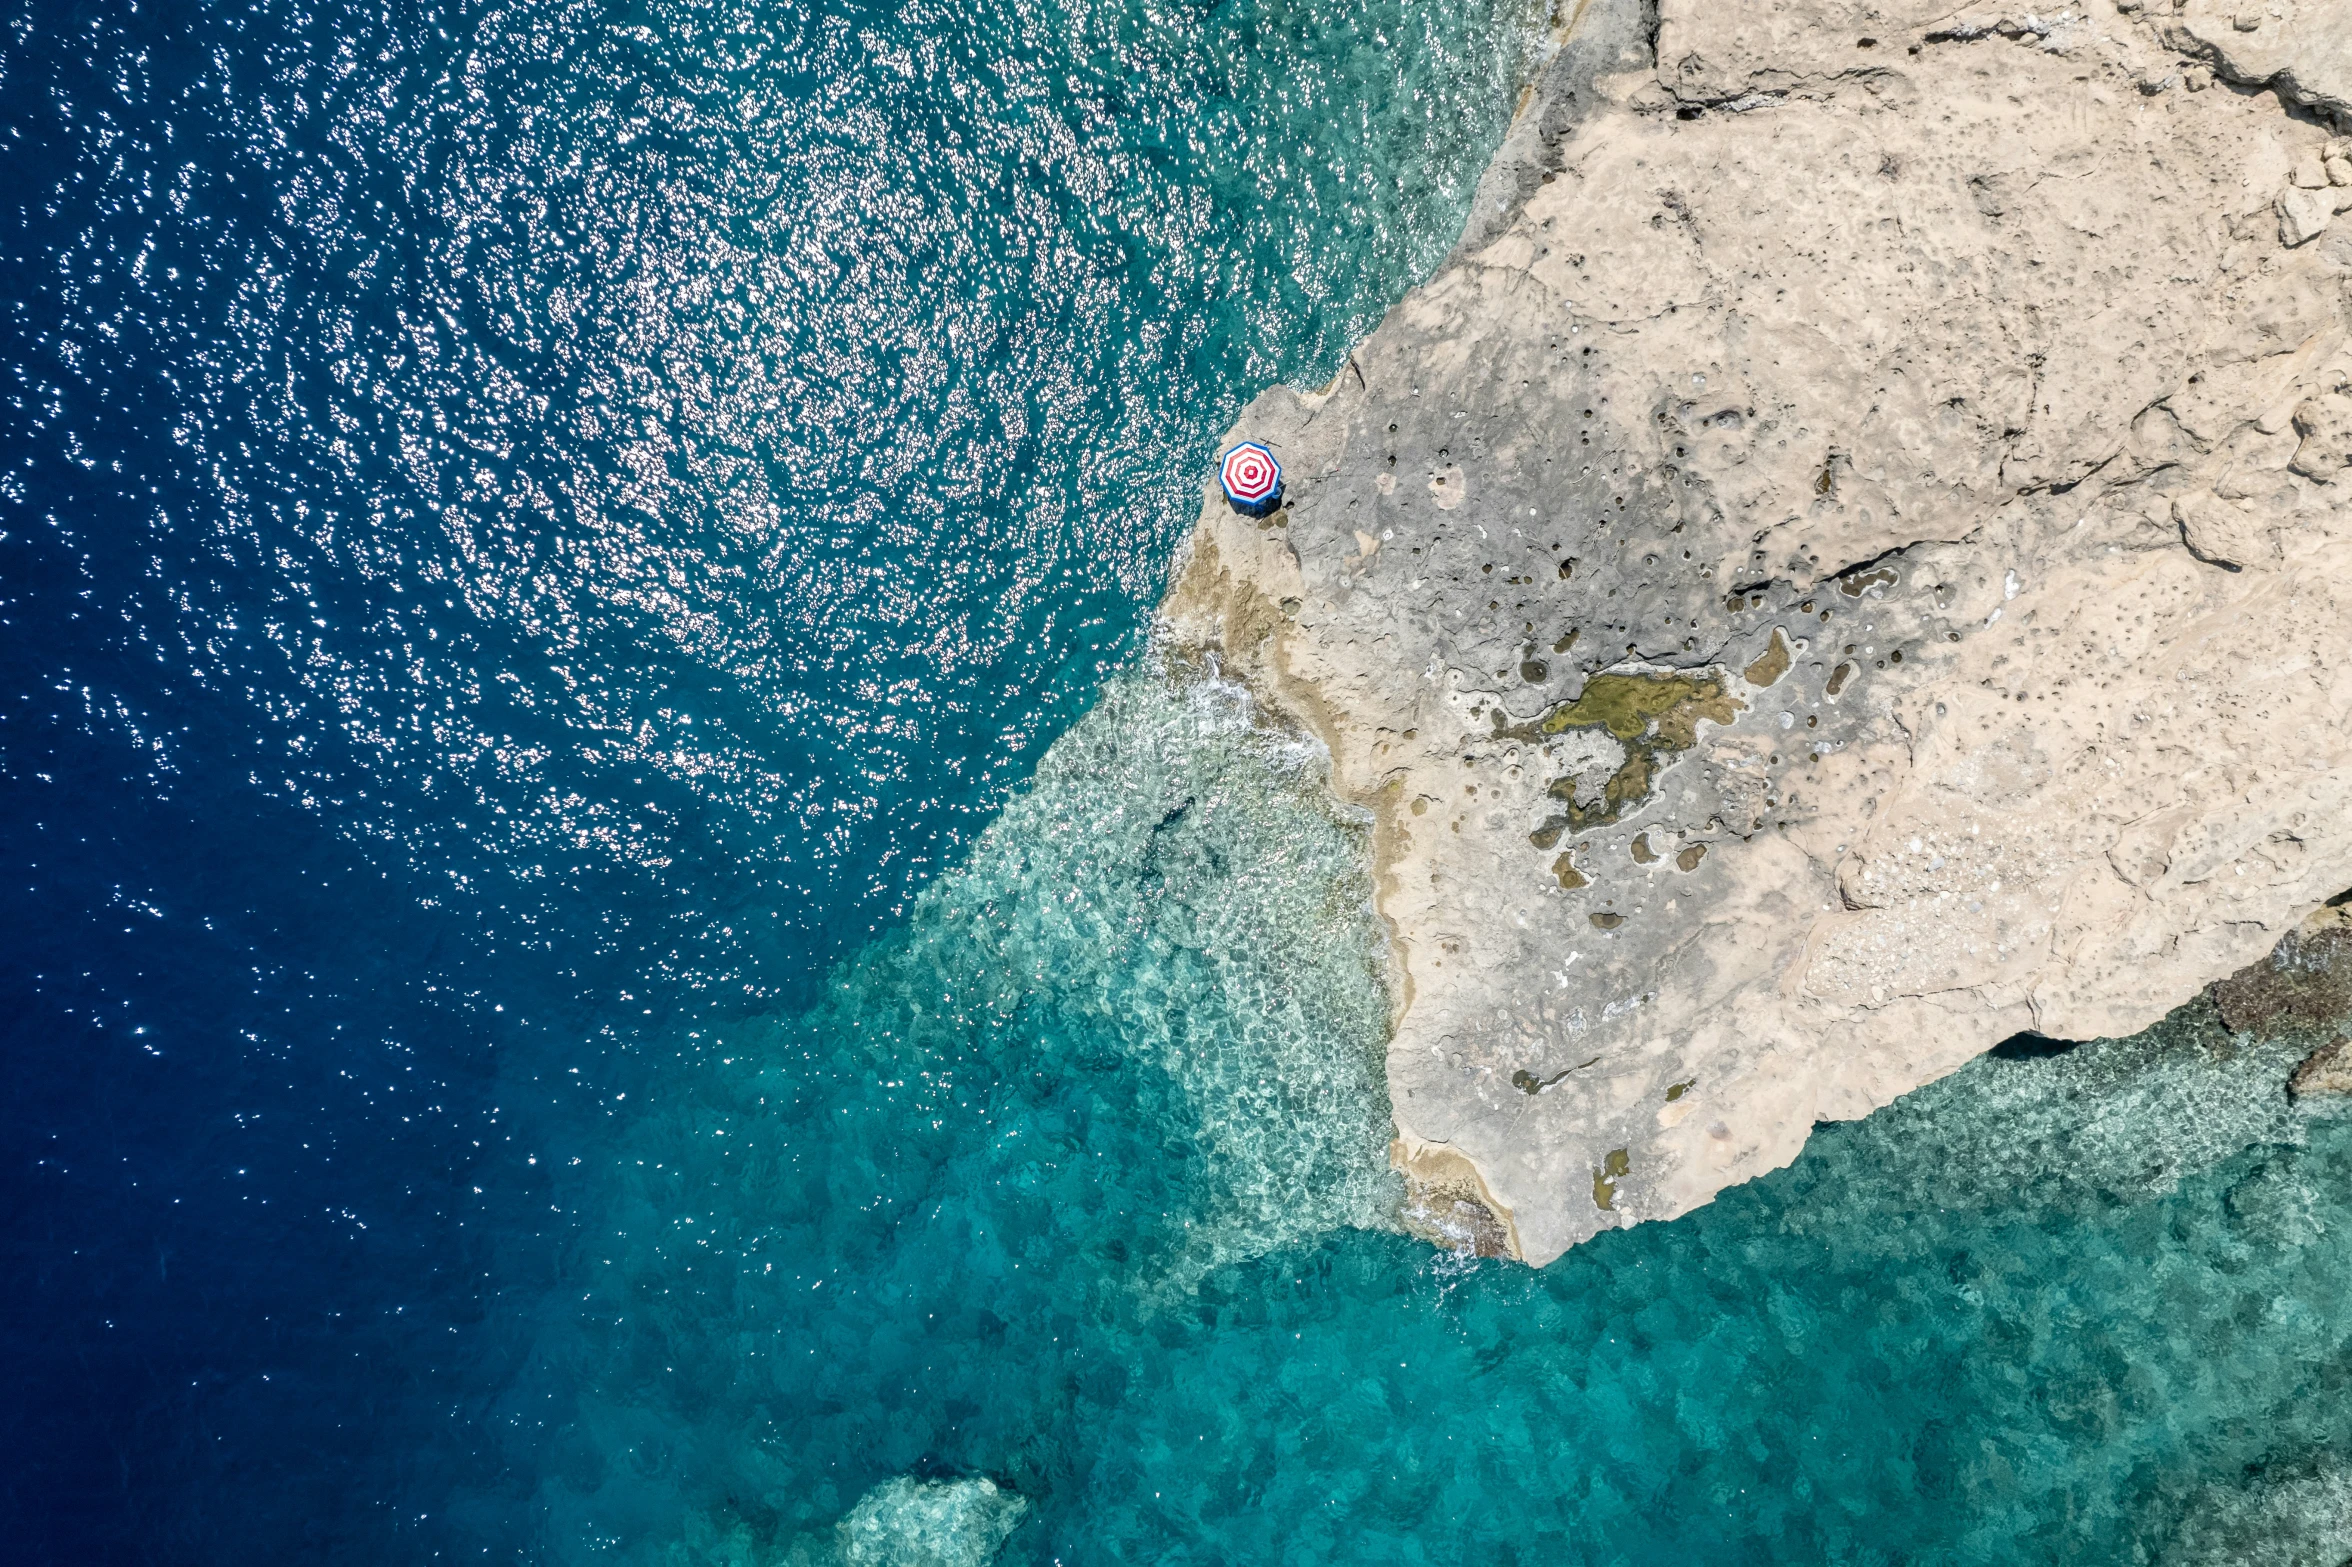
(620, 952)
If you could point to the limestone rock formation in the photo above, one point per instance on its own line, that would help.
(1850, 562)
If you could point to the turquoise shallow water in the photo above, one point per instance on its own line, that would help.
(624, 954)
(1077, 1187)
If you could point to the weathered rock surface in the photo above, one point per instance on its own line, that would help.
(2303, 48)
(1856, 564)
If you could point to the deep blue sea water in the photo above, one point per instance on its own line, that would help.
(619, 951)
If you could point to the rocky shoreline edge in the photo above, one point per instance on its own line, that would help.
(1847, 564)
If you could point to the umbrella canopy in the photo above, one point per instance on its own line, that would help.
(1252, 478)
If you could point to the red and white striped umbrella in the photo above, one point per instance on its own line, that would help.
(1251, 476)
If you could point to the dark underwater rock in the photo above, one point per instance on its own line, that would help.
(2306, 982)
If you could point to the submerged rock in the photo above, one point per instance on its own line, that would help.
(2305, 982)
(929, 1523)
(2328, 1070)
(1450, 1215)
(1934, 420)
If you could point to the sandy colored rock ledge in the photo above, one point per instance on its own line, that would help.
(1855, 565)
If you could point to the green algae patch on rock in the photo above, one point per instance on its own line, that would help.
(1654, 717)
(1688, 859)
(1773, 663)
(1528, 1083)
(1858, 583)
(1570, 877)
(1633, 708)
(1613, 1169)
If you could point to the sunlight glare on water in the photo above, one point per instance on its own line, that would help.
(622, 951)
(794, 405)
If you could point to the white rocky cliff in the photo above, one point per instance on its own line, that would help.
(1850, 562)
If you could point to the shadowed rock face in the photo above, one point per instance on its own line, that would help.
(1850, 569)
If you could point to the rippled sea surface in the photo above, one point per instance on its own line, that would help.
(618, 949)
